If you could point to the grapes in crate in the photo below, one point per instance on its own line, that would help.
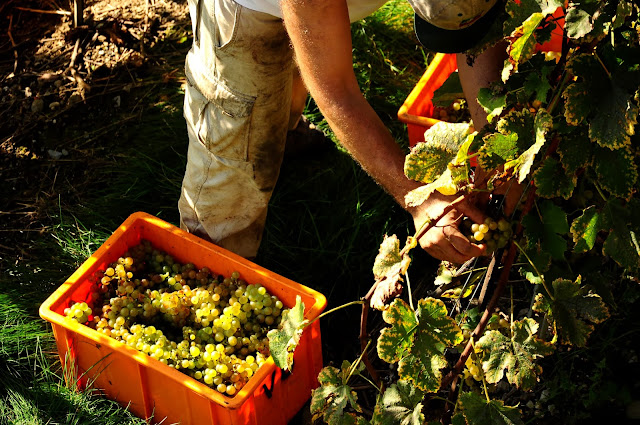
(212, 328)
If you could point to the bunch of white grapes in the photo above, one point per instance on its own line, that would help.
(213, 328)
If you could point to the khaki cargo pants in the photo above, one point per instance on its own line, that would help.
(237, 107)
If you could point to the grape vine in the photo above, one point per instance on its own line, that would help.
(562, 126)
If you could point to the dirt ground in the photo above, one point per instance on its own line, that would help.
(63, 86)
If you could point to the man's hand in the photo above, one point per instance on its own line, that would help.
(444, 241)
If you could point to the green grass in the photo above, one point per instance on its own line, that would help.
(326, 217)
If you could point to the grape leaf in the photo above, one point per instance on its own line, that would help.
(394, 342)
(497, 149)
(572, 309)
(389, 262)
(401, 404)
(435, 332)
(478, 411)
(612, 118)
(492, 103)
(537, 262)
(284, 340)
(624, 10)
(330, 399)
(622, 243)
(520, 11)
(429, 159)
(548, 228)
(577, 22)
(575, 150)
(417, 341)
(616, 171)
(516, 354)
(389, 266)
(523, 48)
(553, 181)
(585, 228)
(522, 165)
(538, 83)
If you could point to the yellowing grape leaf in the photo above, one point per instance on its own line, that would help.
(429, 159)
(401, 404)
(284, 340)
(522, 48)
(553, 181)
(573, 310)
(418, 340)
(478, 411)
(515, 355)
(394, 342)
(389, 266)
(331, 398)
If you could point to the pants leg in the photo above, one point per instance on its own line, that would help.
(237, 107)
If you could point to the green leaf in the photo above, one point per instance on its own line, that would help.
(548, 227)
(537, 262)
(599, 97)
(585, 228)
(622, 243)
(330, 399)
(418, 340)
(492, 103)
(577, 22)
(284, 340)
(429, 159)
(572, 309)
(515, 355)
(401, 404)
(616, 171)
(478, 411)
(575, 150)
(553, 181)
(516, 133)
(434, 333)
(522, 165)
(497, 150)
(538, 83)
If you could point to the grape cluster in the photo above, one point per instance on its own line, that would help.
(80, 312)
(213, 328)
(495, 234)
(472, 367)
(457, 111)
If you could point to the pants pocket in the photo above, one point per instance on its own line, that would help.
(220, 119)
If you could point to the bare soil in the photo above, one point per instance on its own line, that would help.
(64, 86)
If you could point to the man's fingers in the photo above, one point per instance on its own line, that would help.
(461, 244)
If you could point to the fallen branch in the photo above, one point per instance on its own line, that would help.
(48, 12)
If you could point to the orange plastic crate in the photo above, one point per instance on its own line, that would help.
(152, 390)
(417, 109)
